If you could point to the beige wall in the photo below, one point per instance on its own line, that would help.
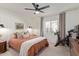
(72, 19)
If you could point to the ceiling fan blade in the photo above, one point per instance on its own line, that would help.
(34, 5)
(44, 7)
(29, 9)
(41, 11)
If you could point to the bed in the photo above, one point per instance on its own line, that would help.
(28, 46)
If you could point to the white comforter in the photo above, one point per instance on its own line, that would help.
(27, 44)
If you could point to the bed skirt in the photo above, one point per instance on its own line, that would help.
(35, 49)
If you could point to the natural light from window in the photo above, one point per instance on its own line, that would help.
(51, 26)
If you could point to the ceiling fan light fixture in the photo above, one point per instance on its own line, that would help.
(36, 12)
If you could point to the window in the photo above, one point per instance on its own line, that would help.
(54, 26)
(47, 25)
(51, 26)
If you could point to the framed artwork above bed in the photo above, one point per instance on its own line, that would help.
(19, 26)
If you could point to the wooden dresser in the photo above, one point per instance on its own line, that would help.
(74, 43)
(3, 46)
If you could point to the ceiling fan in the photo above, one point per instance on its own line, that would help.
(37, 9)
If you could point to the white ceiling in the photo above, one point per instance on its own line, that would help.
(54, 8)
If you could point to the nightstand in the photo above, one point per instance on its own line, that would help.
(3, 46)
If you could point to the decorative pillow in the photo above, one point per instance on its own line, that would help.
(17, 35)
(14, 36)
(20, 36)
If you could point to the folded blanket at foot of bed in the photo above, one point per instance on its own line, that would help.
(32, 47)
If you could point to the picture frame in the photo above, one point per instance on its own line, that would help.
(19, 26)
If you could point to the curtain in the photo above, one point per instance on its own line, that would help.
(62, 25)
(41, 27)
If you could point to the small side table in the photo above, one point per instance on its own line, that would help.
(3, 46)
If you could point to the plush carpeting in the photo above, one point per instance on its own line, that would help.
(55, 51)
(48, 51)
